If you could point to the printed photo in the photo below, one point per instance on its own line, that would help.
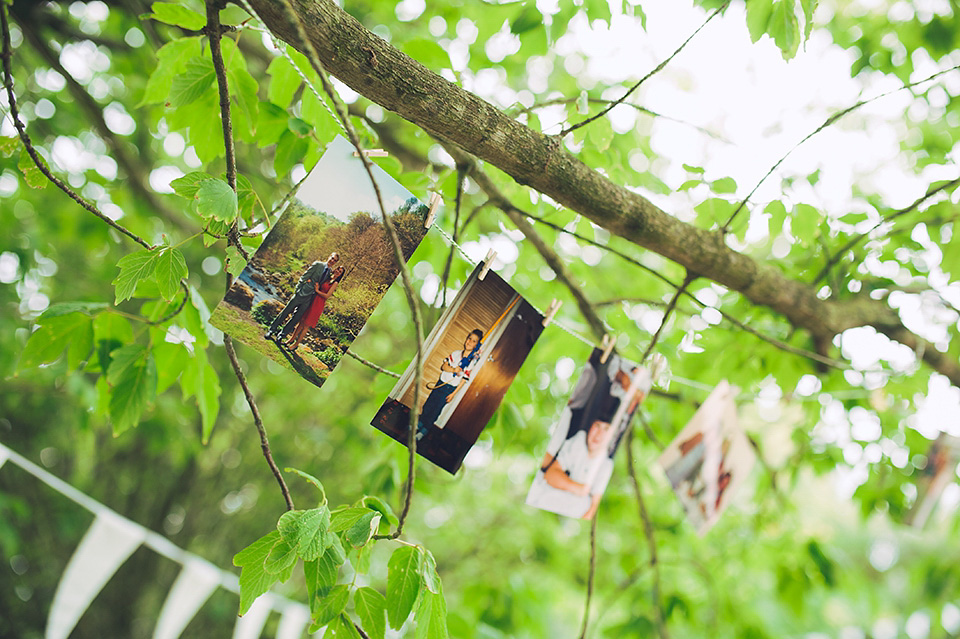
(709, 458)
(323, 267)
(577, 465)
(471, 357)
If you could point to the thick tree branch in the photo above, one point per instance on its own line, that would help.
(401, 84)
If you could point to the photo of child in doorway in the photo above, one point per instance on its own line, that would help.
(471, 357)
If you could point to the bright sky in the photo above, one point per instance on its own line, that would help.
(340, 186)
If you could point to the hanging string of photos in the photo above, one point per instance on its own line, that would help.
(112, 538)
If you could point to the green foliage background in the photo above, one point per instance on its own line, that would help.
(149, 418)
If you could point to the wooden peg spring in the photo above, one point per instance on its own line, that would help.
(551, 312)
(486, 264)
(372, 153)
(435, 200)
(607, 346)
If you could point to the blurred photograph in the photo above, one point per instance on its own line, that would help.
(709, 458)
(576, 468)
(323, 267)
(471, 357)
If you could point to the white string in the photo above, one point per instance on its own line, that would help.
(282, 48)
(156, 542)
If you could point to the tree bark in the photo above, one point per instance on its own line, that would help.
(372, 67)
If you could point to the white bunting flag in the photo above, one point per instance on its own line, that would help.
(190, 591)
(250, 625)
(106, 545)
(292, 622)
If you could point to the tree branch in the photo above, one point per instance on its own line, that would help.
(651, 540)
(372, 365)
(7, 55)
(590, 576)
(442, 108)
(214, 32)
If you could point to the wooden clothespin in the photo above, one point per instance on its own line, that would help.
(551, 312)
(486, 264)
(372, 153)
(607, 345)
(435, 200)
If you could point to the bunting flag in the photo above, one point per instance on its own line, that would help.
(106, 545)
(709, 458)
(110, 541)
(194, 585)
(471, 357)
(324, 266)
(250, 625)
(578, 462)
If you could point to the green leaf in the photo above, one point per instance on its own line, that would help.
(133, 390)
(32, 175)
(243, 88)
(171, 62)
(9, 145)
(312, 538)
(215, 230)
(321, 574)
(216, 199)
(404, 583)
(784, 28)
(200, 380)
(290, 151)
(171, 361)
(188, 185)
(361, 531)
(344, 518)
(73, 331)
(169, 268)
(299, 127)
(281, 559)
(190, 85)
(758, 17)
(254, 579)
(310, 480)
(284, 82)
(65, 308)
(122, 359)
(371, 607)
(178, 15)
(235, 261)
(600, 134)
(273, 122)
(724, 185)
(712, 212)
(375, 503)
(804, 220)
(133, 268)
(340, 628)
(324, 609)
(428, 569)
(431, 616)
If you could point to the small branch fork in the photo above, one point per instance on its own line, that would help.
(7, 55)
(636, 86)
(214, 31)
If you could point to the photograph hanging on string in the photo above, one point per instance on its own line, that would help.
(578, 461)
(471, 357)
(709, 459)
(323, 267)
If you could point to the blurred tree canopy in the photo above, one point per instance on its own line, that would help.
(114, 380)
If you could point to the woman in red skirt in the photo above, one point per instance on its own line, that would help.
(324, 291)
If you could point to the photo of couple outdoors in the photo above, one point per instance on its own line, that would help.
(323, 267)
(578, 462)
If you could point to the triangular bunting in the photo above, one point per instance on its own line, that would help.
(106, 545)
(193, 587)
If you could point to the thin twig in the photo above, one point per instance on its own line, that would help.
(769, 469)
(412, 300)
(214, 33)
(264, 442)
(461, 176)
(590, 576)
(666, 314)
(7, 55)
(641, 109)
(829, 121)
(649, 432)
(169, 316)
(636, 86)
(859, 238)
(372, 365)
(651, 540)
